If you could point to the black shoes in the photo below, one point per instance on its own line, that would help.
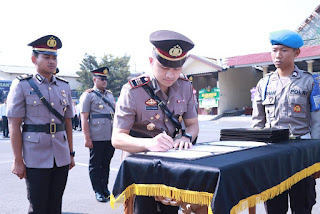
(107, 194)
(100, 197)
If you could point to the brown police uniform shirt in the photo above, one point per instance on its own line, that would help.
(40, 149)
(286, 104)
(100, 128)
(137, 111)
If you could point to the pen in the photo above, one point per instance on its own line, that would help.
(163, 131)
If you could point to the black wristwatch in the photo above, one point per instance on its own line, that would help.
(187, 135)
(72, 153)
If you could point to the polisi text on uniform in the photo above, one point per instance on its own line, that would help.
(296, 91)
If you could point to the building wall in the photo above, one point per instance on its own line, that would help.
(74, 84)
(235, 85)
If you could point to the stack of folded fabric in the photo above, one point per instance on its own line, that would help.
(268, 135)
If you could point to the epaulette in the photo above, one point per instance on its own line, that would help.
(64, 80)
(183, 77)
(24, 77)
(139, 81)
(109, 91)
(89, 90)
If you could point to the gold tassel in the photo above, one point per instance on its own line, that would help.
(276, 190)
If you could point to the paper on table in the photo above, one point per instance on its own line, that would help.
(247, 144)
(216, 149)
(179, 154)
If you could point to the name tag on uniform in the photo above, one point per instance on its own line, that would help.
(151, 107)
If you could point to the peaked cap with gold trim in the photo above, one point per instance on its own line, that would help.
(46, 45)
(103, 71)
(171, 48)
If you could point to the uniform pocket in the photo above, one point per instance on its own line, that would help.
(35, 107)
(297, 106)
(32, 137)
(98, 121)
(269, 106)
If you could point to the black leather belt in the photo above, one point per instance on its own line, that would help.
(49, 128)
(109, 116)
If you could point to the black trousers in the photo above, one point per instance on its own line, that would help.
(302, 198)
(45, 188)
(147, 205)
(99, 165)
(5, 128)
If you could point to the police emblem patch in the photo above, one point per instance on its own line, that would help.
(297, 108)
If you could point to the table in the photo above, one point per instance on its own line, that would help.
(226, 183)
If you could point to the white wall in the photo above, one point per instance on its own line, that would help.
(235, 85)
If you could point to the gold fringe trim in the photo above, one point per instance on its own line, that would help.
(188, 196)
(276, 190)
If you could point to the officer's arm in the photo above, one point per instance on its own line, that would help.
(18, 166)
(258, 113)
(122, 140)
(70, 139)
(85, 129)
(192, 127)
(315, 124)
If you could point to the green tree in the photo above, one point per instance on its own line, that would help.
(118, 71)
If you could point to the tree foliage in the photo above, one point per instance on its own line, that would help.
(118, 71)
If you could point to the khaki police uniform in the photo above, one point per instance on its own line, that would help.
(285, 106)
(100, 126)
(138, 112)
(46, 155)
(40, 149)
(288, 106)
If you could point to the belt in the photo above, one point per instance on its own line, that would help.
(49, 128)
(109, 116)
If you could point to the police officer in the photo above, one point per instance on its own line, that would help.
(43, 150)
(282, 99)
(97, 110)
(140, 122)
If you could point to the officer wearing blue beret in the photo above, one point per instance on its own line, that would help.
(283, 99)
(40, 112)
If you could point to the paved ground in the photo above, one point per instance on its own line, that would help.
(79, 197)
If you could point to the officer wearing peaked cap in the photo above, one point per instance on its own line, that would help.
(43, 150)
(141, 123)
(283, 99)
(97, 110)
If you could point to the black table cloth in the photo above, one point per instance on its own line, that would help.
(227, 183)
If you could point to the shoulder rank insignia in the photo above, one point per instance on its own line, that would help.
(140, 81)
(64, 80)
(89, 90)
(24, 77)
(109, 91)
(183, 77)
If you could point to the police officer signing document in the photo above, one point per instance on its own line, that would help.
(286, 98)
(151, 107)
(97, 110)
(41, 104)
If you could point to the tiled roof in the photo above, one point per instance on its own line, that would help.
(265, 58)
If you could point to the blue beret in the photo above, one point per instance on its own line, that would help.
(286, 37)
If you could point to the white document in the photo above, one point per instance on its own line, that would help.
(179, 154)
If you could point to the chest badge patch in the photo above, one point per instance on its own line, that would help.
(151, 126)
(297, 108)
(151, 102)
(157, 116)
